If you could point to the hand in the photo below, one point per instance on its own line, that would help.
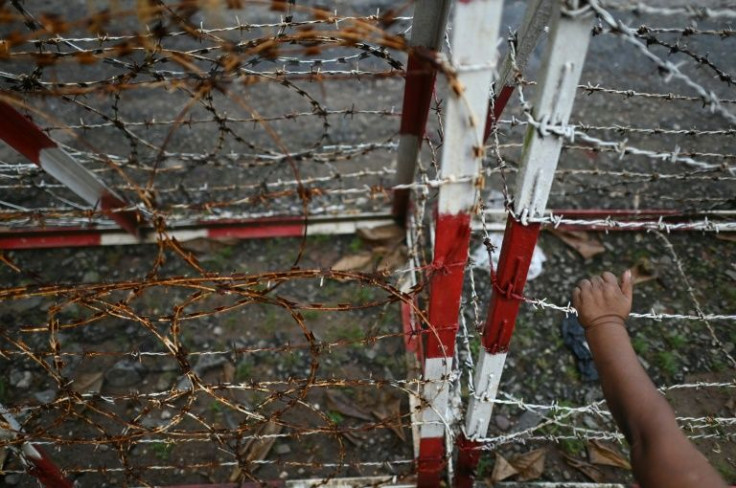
(601, 299)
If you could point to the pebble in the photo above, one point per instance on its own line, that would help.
(728, 347)
(217, 331)
(282, 449)
(124, 373)
(21, 379)
(283, 475)
(165, 415)
(12, 479)
(502, 422)
(91, 277)
(45, 396)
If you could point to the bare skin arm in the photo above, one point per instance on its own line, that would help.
(661, 455)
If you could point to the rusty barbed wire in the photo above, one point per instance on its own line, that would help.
(182, 365)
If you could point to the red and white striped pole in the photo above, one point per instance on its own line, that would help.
(37, 462)
(26, 138)
(427, 32)
(569, 37)
(527, 36)
(474, 35)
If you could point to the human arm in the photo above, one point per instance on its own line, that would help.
(661, 455)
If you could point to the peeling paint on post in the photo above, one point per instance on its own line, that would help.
(474, 36)
(569, 38)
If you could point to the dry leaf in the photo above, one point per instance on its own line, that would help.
(393, 260)
(88, 382)
(530, 465)
(726, 236)
(228, 372)
(588, 470)
(354, 262)
(382, 234)
(582, 242)
(340, 403)
(605, 455)
(502, 469)
(643, 271)
(257, 448)
(391, 410)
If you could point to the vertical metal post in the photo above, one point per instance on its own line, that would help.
(536, 18)
(35, 459)
(475, 31)
(428, 31)
(564, 58)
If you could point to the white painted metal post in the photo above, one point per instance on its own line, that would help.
(569, 37)
(474, 35)
(536, 18)
(428, 31)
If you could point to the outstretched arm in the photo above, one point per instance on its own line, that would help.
(661, 455)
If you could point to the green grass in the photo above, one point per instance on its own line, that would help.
(640, 345)
(668, 363)
(243, 372)
(162, 450)
(355, 245)
(572, 447)
(335, 417)
(310, 314)
(676, 340)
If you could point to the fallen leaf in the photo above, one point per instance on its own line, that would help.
(257, 448)
(228, 372)
(354, 262)
(580, 241)
(88, 382)
(382, 234)
(393, 260)
(588, 470)
(390, 411)
(726, 236)
(502, 469)
(605, 455)
(643, 271)
(340, 403)
(530, 465)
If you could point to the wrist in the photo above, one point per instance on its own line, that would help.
(606, 321)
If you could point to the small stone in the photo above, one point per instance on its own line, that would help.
(217, 331)
(20, 379)
(165, 415)
(590, 422)
(45, 396)
(12, 479)
(91, 277)
(124, 373)
(728, 347)
(527, 421)
(283, 475)
(502, 422)
(282, 449)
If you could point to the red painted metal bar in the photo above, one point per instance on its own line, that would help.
(25, 137)
(35, 459)
(508, 285)
(428, 29)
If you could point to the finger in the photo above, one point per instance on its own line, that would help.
(597, 282)
(576, 297)
(627, 284)
(583, 284)
(609, 277)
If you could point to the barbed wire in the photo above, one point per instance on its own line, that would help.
(294, 114)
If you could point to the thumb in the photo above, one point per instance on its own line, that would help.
(627, 284)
